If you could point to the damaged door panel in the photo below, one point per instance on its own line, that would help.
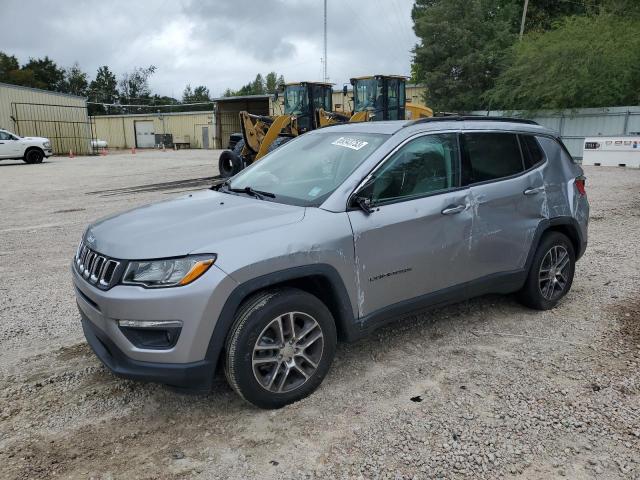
(413, 240)
(507, 202)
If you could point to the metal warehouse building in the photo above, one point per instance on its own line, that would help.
(203, 129)
(191, 129)
(39, 113)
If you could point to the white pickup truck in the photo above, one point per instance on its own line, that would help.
(28, 149)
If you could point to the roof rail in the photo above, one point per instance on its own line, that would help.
(461, 118)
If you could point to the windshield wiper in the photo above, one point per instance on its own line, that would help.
(259, 194)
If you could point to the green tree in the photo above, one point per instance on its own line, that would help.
(271, 82)
(187, 94)
(8, 65)
(134, 85)
(103, 89)
(588, 61)
(46, 73)
(75, 81)
(258, 86)
(196, 95)
(461, 48)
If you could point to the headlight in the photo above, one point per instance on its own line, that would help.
(170, 272)
(46, 144)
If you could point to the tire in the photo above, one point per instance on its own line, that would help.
(555, 257)
(290, 375)
(237, 148)
(229, 164)
(277, 142)
(33, 155)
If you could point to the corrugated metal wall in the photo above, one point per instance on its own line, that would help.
(574, 125)
(228, 120)
(119, 130)
(61, 118)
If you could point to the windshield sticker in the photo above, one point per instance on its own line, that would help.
(352, 143)
(314, 191)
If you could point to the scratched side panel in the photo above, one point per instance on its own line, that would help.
(321, 237)
(505, 222)
(560, 176)
(408, 249)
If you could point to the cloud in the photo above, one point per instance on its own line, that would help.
(219, 44)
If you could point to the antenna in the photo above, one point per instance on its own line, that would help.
(324, 65)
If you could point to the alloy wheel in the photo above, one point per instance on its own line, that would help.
(554, 272)
(287, 352)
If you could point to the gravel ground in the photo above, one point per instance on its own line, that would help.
(482, 389)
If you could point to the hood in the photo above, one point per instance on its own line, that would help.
(195, 222)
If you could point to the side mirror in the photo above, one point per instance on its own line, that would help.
(275, 96)
(345, 90)
(364, 203)
(363, 198)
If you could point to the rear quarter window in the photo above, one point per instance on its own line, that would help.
(531, 151)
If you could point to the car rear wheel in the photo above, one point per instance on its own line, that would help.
(280, 347)
(551, 273)
(33, 156)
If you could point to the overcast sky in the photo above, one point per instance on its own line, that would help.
(220, 44)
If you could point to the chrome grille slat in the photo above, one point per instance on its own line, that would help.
(95, 268)
(98, 264)
(87, 266)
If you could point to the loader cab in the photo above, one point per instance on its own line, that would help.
(302, 99)
(382, 95)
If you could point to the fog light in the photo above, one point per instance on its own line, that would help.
(154, 334)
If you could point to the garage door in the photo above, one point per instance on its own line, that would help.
(145, 134)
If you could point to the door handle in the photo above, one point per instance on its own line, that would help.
(533, 190)
(453, 209)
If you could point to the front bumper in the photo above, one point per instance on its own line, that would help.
(196, 376)
(190, 362)
(48, 153)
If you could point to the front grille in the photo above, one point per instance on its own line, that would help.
(95, 268)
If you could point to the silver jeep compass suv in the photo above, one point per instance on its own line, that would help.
(330, 236)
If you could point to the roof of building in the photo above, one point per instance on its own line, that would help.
(39, 90)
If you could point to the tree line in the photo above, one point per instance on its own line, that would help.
(260, 86)
(130, 93)
(583, 53)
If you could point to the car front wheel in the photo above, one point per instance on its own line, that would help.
(280, 347)
(33, 156)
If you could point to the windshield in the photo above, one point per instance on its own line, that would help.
(295, 100)
(306, 170)
(367, 95)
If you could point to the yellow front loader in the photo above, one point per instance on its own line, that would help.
(262, 134)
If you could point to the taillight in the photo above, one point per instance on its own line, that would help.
(581, 181)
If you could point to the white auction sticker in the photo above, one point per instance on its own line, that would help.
(352, 143)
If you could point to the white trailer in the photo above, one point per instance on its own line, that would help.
(612, 151)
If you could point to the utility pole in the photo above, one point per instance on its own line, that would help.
(326, 77)
(524, 17)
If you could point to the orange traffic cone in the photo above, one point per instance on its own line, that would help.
(71, 154)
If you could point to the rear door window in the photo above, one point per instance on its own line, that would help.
(531, 151)
(490, 156)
